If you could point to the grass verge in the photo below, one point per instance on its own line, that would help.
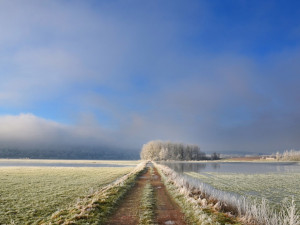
(196, 210)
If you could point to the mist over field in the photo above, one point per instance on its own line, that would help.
(27, 136)
(101, 78)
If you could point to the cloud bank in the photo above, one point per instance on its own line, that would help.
(120, 74)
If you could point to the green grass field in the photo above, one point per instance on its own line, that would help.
(29, 194)
(272, 186)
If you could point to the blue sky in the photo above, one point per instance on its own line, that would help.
(221, 74)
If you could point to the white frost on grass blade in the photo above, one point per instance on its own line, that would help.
(29, 194)
(147, 205)
(194, 212)
(249, 212)
(121, 180)
(275, 187)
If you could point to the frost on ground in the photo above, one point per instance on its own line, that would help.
(95, 208)
(274, 187)
(147, 205)
(204, 198)
(30, 195)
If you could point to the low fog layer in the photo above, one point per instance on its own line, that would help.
(26, 135)
(29, 130)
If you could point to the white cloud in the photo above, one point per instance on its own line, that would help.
(29, 129)
(87, 60)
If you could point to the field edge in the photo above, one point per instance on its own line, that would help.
(95, 208)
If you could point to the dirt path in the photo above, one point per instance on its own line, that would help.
(128, 211)
(167, 212)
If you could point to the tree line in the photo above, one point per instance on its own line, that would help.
(71, 152)
(160, 151)
(288, 155)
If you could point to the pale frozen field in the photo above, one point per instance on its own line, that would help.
(31, 193)
(272, 186)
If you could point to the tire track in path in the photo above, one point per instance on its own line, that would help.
(167, 211)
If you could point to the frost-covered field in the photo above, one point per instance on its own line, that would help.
(257, 193)
(28, 194)
(67, 163)
(272, 186)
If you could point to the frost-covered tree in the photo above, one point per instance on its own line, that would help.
(159, 150)
(289, 155)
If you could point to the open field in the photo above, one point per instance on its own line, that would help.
(242, 159)
(58, 161)
(272, 186)
(234, 193)
(28, 194)
(81, 195)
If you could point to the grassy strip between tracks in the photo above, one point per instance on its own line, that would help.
(147, 205)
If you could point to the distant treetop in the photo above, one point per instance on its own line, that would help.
(159, 150)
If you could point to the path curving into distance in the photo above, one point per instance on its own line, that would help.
(167, 212)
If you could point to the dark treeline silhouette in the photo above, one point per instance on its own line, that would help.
(215, 156)
(68, 152)
(159, 151)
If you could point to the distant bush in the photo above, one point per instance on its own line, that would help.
(288, 155)
(215, 156)
(159, 150)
